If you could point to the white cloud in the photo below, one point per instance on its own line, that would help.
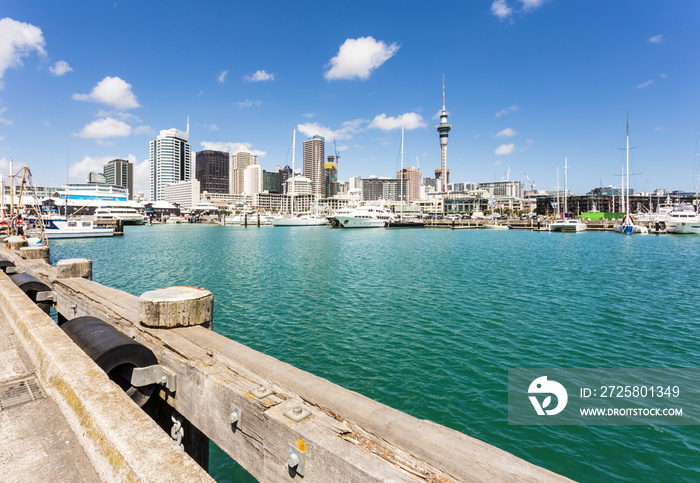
(504, 149)
(104, 129)
(221, 78)
(87, 165)
(345, 132)
(409, 121)
(7, 122)
(531, 4)
(259, 76)
(142, 181)
(501, 9)
(112, 91)
(358, 58)
(248, 103)
(144, 130)
(17, 40)
(230, 147)
(496, 163)
(506, 133)
(211, 127)
(507, 110)
(60, 68)
(645, 84)
(656, 39)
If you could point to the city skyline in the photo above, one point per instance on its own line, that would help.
(528, 82)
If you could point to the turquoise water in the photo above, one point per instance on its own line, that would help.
(429, 321)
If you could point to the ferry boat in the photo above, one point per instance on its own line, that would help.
(365, 217)
(683, 220)
(73, 228)
(128, 215)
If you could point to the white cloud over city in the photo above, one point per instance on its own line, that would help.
(504, 10)
(346, 131)
(409, 121)
(504, 149)
(358, 58)
(105, 128)
(111, 91)
(507, 110)
(60, 68)
(260, 76)
(18, 40)
(230, 147)
(506, 133)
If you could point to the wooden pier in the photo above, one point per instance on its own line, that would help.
(278, 422)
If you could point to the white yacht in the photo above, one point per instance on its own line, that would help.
(567, 224)
(302, 219)
(128, 215)
(366, 217)
(683, 220)
(72, 228)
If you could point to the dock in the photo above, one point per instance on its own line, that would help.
(153, 421)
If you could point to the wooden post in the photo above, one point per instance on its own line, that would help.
(74, 267)
(35, 253)
(176, 307)
(15, 242)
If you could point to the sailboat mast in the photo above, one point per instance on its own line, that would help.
(566, 183)
(294, 150)
(627, 182)
(403, 181)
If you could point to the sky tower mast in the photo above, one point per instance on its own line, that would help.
(443, 129)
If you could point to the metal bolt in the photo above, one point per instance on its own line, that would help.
(297, 410)
(234, 416)
(261, 389)
(293, 460)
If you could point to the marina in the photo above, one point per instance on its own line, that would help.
(504, 302)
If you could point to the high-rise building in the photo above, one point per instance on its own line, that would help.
(120, 172)
(330, 177)
(239, 162)
(443, 130)
(442, 182)
(314, 154)
(212, 171)
(253, 179)
(272, 181)
(411, 178)
(285, 174)
(170, 161)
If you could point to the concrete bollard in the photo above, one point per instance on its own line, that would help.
(177, 307)
(74, 268)
(15, 242)
(35, 253)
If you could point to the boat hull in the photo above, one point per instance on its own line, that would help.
(683, 228)
(95, 232)
(568, 227)
(357, 222)
(299, 222)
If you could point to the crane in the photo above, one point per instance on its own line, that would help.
(506, 175)
(532, 183)
(335, 148)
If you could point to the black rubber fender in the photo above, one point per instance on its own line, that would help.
(30, 285)
(4, 263)
(113, 352)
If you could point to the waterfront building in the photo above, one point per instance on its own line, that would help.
(183, 193)
(411, 178)
(443, 130)
(170, 160)
(240, 160)
(507, 189)
(212, 171)
(389, 189)
(342, 188)
(96, 178)
(440, 184)
(253, 179)
(299, 185)
(279, 203)
(314, 154)
(120, 172)
(272, 181)
(285, 173)
(330, 177)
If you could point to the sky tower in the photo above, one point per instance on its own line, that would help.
(443, 129)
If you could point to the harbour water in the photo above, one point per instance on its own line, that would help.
(430, 321)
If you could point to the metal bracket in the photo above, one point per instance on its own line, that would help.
(145, 376)
(295, 460)
(235, 417)
(11, 270)
(46, 297)
(297, 414)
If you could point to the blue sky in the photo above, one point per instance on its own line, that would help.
(528, 82)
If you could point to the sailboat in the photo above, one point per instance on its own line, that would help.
(627, 227)
(302, 219)
(567, 224)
